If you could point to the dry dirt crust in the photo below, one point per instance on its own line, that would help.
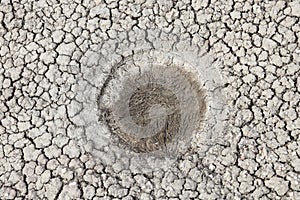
(150, 99)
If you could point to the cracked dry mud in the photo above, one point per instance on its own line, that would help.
(56, 56)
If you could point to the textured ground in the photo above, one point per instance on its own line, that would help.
(55, 55)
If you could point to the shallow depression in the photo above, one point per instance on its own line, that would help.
(157, 106)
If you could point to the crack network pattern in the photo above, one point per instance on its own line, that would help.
(56, 55)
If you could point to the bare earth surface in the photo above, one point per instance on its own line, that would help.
(55, 57)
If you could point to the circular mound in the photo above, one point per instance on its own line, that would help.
(151, 104)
